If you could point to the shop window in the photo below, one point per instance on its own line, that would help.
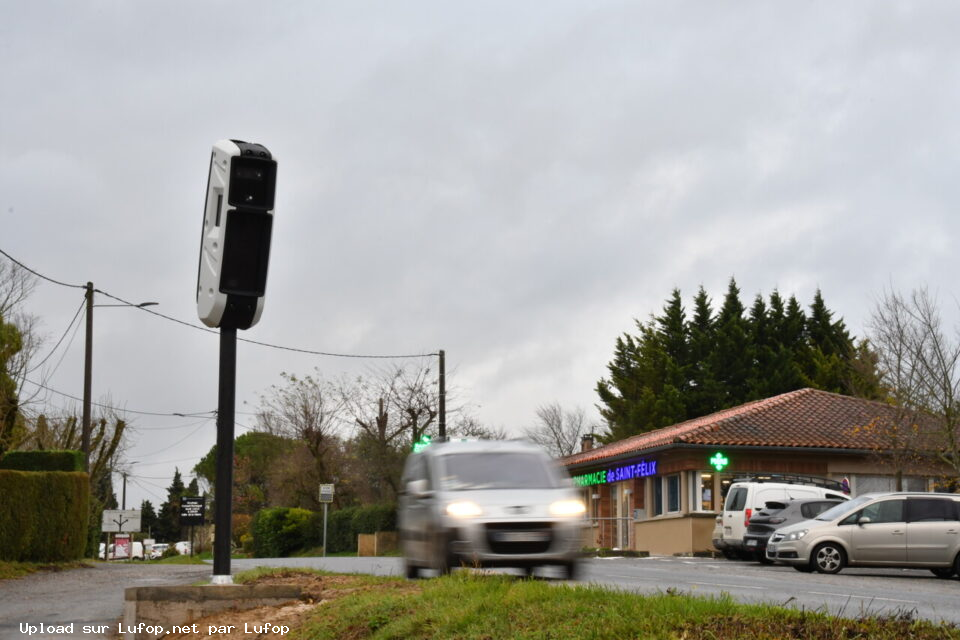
(673, 493)
(882, 484)
(701, 491)
(657, 496)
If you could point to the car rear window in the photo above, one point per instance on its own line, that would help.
(736, 499)
(811, 510)
(477, 471)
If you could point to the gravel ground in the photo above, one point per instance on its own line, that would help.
(91, 596)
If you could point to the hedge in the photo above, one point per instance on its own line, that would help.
(280, 531)
(42, 461)
(43, 516)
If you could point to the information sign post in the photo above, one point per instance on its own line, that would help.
(326, 497)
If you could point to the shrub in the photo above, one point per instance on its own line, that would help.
(340, 534)
(42, 461)
(43, 515)
(374, 518)
(281, 530)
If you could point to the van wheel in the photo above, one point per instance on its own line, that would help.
(443, 560)
(412, 571)
(829, 558)
(569, 570)
(943, 572)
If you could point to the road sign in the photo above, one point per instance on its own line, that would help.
(191, 511)
(121, 520)
(326, 493)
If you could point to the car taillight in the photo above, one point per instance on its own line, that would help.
(746, 517)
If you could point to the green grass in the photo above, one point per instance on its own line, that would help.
(11, 570)
(467, 606)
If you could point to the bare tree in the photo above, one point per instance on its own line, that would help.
(306, 409)
(920, 368)
(469, 427)
(558, 431)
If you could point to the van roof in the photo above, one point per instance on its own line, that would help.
(486, 446)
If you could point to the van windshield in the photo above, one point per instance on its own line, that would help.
(476, 471)
(843, 508)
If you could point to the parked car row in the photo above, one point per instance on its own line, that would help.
(830, 532)
(119, 552)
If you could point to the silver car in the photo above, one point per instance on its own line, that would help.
(920, 530)
(488, 504)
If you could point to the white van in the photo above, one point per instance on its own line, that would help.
(748, 495)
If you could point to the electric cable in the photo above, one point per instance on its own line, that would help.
(213, 331)
(195, 414)
(52, 351)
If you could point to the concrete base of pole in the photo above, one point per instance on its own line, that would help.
(221, 580)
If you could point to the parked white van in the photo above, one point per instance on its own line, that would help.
(748, 495)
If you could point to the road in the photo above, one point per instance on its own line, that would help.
(95, 595)
(91, 596)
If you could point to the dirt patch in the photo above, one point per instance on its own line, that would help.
(266, 623)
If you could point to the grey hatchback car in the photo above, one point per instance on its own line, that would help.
(488, 504)
(919, 530)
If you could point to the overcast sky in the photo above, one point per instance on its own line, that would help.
(512, 182)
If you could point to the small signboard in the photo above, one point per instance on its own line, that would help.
(120, 521)
(326, 493)
(191, 511)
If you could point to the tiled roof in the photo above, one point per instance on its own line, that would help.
(803, 418)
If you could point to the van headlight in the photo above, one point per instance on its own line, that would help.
(567, 508)
(464, 509)
(796, 535)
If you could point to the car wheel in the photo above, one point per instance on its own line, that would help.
(443, 562)
(730, 554)
(762, 558)
(412, 571)
(803, 568)
(829, 558)
(943, 572)
(570, 570)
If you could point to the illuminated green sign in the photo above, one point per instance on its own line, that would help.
(422, 443)
(719, 461)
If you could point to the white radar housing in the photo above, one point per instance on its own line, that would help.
(235, 240)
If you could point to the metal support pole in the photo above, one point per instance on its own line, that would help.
(87, 380)
(442, 404)
(224, 481)
(324, 529)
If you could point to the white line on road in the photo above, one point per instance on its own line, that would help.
(848, 595)
(721, 584)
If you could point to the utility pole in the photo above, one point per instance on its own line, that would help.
(442, 408)
(87, 380)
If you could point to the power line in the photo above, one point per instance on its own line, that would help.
(209, 330)
(52, 351)
(40, 275)
(195, 414)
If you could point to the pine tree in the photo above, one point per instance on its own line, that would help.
(704, 390)
(732, 357)
(168, 520)
(148, 517)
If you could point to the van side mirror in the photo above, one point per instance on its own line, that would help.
(418, 488)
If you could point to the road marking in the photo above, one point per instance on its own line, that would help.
(848, 595)
(721, 584)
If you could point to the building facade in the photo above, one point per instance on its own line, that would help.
(661, 491)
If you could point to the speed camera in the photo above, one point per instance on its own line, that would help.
(235, 240)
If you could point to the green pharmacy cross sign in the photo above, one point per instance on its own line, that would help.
(719, 461)
(422, 443)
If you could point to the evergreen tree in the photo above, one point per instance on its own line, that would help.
(168, 520)
(675, 369)
(148, 517)
(732, 356)
(12, 428)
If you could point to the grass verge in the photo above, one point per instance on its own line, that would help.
(11, 570)
(491, 607)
